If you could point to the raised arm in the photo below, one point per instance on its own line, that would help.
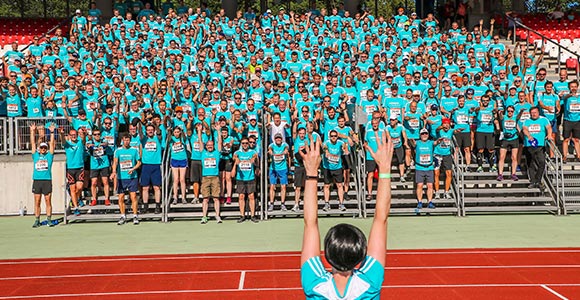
(51, 143)
(33, 137)
(311, 239)
(377, 245)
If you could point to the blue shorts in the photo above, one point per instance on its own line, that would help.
(127, 186)
(151, 175)
(554, 124)
(278, 176)
(178, 163)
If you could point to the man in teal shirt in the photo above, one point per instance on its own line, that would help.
(42, 174)
(536, 129)
(126, 163)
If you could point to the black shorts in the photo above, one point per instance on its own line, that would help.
(246, 187)
(510, 144)
(347, 163)
(331, 176)
(75, 175)
(370, 165)
(299, 176)
(400, 155)
(571, 129)
(444, 162)
(42, 187)
(99, 173)
(226, 165)
(195, 171)
(423, 176)
(484, 140)
(463, 139)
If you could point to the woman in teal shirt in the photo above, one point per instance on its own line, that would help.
(42, 174)
(177, 144)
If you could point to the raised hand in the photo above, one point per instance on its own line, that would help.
(384, 154)
(311, 157)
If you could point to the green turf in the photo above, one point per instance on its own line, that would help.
(19, 240)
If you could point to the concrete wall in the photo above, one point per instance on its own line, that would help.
(16, 185)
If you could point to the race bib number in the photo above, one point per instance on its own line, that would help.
(209, 163)
(279, 158)
(414, 123)
(486, 118)
(425, 159)
(534, 128)
(253, 132)
(462, 119)
(99, 151)
(12, 108)
(110, 140)
(126, 165)
(178, 147)
(257, 97)
(575, 107)
(333, 159)
(35, 110)
(525, 115)
(196, 147)
(245, 165)
(396, 140)
(151, 146)
(363, 95)
(445, 143)
(41, 165)
(509, 124)
(186, 108)
(396, 111)
(370, 109)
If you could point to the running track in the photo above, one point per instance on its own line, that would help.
(429, 274)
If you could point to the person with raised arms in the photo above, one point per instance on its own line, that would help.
(345, 245)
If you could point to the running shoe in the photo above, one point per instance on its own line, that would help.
(135, 220)
(229, 200)
(36, 224)
(447, 195)
(515, 177)
(326, 207)
(204, 220)
(121, 221)
(107, 202)
(51, 223)
(479, 169)
(81, 203)
(341, 207)
(431, 205)
(93, 202)
(219, 220)
(283, 207)
(255, 220)
(296, 208)
(241, 220)
(157, 209)
(493, 169)
(77, 212)
(418, 208)
(437, 195)
(499, 177)
(270, 207)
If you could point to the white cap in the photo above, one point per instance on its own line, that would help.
(389, 74)
(268, 11)
(393, 116)
(78, 11)
(416, 92)
(424, 130)
(43, 145)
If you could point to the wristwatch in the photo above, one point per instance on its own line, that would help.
(312, 177)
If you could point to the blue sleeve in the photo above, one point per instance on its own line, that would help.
(312, 273)
(372, 272)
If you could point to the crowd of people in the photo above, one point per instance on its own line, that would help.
(202, 86)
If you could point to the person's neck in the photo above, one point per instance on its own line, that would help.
(341, 280)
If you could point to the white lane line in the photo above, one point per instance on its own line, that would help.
(242, 279)
(274, 255)
(85, 275)
(553, 292)
(271, 289)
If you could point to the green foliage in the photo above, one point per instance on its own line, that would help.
(36, 8)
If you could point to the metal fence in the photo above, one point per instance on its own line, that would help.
(22, 132)
(3, 136)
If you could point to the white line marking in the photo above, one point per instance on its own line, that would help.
(243, 272)
(242, 278)
(225, 256)
(274, 290)
(553, 292)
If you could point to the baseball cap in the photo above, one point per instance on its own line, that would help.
(393, 116)
(78, 11)
(278, 135)
(446, 121)
(178, 108)
(43, 145)
(416, 92)
(434, 107)
(424, 131)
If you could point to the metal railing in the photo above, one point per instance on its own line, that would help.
(166, 183)
(3, 136)
(546, 41)
(22, 132)
(554, 177)
(263, 178)
(458, 181)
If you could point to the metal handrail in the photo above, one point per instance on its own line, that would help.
(556, 190)
(458, 178)
(166, 187)
(264, 188)
(544, 38)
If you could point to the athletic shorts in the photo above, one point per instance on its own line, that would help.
(195, 171)
(444, 162)
(75, 175)
(127, 186)
(299, 176)
(179, 163)
(151, 175)
(463, 139)
(571, 128)
(42, 187)
(484, 140)
(99, 173)
(423, 176)
(554, 124)
(246, 187)
(400, 155)
(278, 176)
(370, 165)
(513, 144)
(331, 176)
(347, 162)
(210, 187)
(226, 165)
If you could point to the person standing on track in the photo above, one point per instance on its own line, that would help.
(345, 245)
(74, 148)
(126, 162)
(42, 158)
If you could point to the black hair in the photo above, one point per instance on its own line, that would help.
(345, 246)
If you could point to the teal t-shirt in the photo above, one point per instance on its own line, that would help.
(42, 166)
(332, 158)
(279, 159)
(177, 146)
(210, 162)
(424, 155)
(245, 168)
(537, 129)
(127, 159)
(75, 154)
(151, 150)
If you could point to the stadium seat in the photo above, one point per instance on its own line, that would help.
(571, 63)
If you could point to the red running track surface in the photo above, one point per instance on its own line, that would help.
(415, 274)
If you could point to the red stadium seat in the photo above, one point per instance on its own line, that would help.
(571, 63)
